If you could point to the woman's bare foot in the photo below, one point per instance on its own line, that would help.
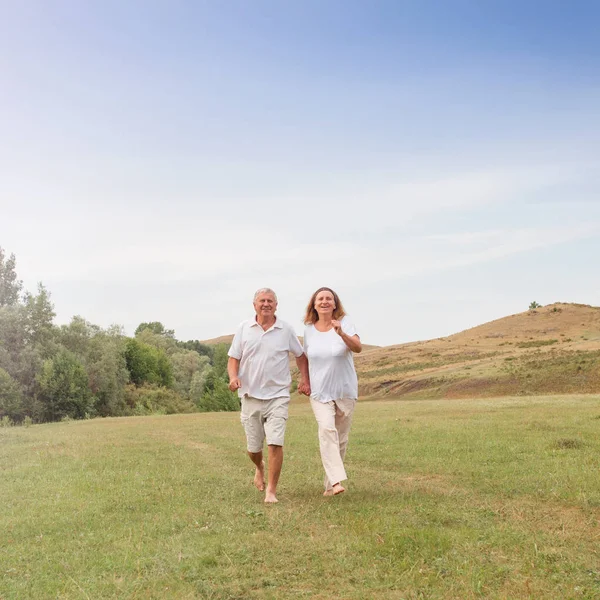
(270, 498)
(335, 490)
(259, 477)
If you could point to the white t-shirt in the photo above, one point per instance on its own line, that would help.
(264, 358)
(330, 363)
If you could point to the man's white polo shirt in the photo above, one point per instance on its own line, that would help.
(264, 358)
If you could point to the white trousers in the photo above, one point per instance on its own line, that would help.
(334, 419)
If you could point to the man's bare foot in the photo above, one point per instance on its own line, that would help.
(335, 490)
(270, 498)
(259, 477)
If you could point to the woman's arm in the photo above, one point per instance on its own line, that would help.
(352, 341)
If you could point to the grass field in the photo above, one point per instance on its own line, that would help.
(495, 498)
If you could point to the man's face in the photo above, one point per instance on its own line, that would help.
(265, 305)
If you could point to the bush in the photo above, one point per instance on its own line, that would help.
(217, 397)
(150, 399)
(536, 343)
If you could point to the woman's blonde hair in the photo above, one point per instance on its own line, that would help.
(312, 316)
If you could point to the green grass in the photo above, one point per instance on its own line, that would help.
(410, 367)
(536, 343)
(495, 498)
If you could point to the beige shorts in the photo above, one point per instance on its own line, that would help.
(264, 418)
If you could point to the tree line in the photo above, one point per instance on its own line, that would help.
(80, 370)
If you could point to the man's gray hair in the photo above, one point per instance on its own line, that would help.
(264, 291)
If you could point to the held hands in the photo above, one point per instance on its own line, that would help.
(304, 388)
(337, 326)
(235, 384)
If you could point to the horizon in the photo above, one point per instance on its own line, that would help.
(436, 163)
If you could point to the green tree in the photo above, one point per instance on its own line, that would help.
(220, 359)
(155, 327)
(108, 374)
(23, 323)
(10, 286)
(165, 343)
(63, 389)
(11, 398)
(147, 364)
(20, 358)
(534, 305)
(77, 336)
(39, 316)
(103, 354)
(186, 363)
(199, 347)
(198, 383)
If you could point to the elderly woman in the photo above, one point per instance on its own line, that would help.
(330, 339)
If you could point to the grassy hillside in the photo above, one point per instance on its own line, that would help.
(227, 339)
(453, 499)
(554, 349)
(551, 350)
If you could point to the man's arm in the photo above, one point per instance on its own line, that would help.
(304, 383)
(233, 367)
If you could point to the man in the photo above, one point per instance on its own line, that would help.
(258, 368)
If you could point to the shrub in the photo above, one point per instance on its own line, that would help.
(217, 397)
(536, 343)
(150, 399)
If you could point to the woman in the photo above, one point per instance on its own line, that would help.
(330, 338)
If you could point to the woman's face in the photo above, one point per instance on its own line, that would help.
(324, 303)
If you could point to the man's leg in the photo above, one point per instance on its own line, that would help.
(251, 417)
(276, 414)
(275, 463)
(259, 474)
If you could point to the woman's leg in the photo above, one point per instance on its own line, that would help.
(329, 442)
(343, 421)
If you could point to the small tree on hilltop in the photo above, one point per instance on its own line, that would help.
(534, 305)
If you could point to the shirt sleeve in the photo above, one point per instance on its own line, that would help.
(295, 346)
(235, 350)
(348, 327)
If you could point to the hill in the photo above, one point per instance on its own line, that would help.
(553, 349)
(223, 339)
(227, 339)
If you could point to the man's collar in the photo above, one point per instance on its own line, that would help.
(276, 325)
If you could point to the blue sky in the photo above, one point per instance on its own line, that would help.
(437, 163)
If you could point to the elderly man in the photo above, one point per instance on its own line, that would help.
(258, 368)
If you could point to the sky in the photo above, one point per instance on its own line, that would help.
(436, 163)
